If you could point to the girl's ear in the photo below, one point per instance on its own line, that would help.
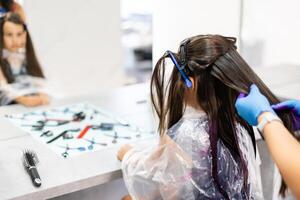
(193, 83)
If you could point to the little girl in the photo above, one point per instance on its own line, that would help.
(206, 151)
(21, 76)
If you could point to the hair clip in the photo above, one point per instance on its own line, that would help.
(183, 52)
(186, 79)
(232, 39)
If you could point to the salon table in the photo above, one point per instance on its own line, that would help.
(65, 175)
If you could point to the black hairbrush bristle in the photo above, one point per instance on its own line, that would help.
(29, 158)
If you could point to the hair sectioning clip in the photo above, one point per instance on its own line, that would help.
(183, 52)
(186, 79)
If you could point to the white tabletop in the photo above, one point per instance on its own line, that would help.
(60, 176)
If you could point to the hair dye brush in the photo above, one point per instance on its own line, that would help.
(30, 160)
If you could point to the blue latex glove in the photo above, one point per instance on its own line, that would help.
(251, 106)
(291, 105)
(294, 107)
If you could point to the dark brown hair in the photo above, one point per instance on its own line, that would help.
(7, 4)
(220, 74)
(33, 67)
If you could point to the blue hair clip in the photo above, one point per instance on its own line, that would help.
(186, 79)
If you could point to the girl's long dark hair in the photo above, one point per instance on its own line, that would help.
(220, 74)
(7, 4)
(33, 67)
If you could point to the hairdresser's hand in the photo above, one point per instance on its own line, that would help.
(123, 150)
(251, 106)
(292, 106)
(33, 100)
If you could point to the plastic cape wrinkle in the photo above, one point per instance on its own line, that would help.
(180, 166)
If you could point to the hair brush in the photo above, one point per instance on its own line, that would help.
(30, 160)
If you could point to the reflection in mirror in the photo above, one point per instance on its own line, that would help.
(78, 44)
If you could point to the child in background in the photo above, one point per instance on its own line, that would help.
(21, 76)
(206, 151)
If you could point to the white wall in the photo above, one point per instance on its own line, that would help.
(174, 20)
(271, 32)
(78, 43)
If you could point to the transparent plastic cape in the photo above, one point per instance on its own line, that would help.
(180, 166)
(23, 85)
(15, 59)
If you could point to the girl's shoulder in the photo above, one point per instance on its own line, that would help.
(193, 129)
(191, 119)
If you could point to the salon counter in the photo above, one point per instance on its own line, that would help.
(61, 176)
